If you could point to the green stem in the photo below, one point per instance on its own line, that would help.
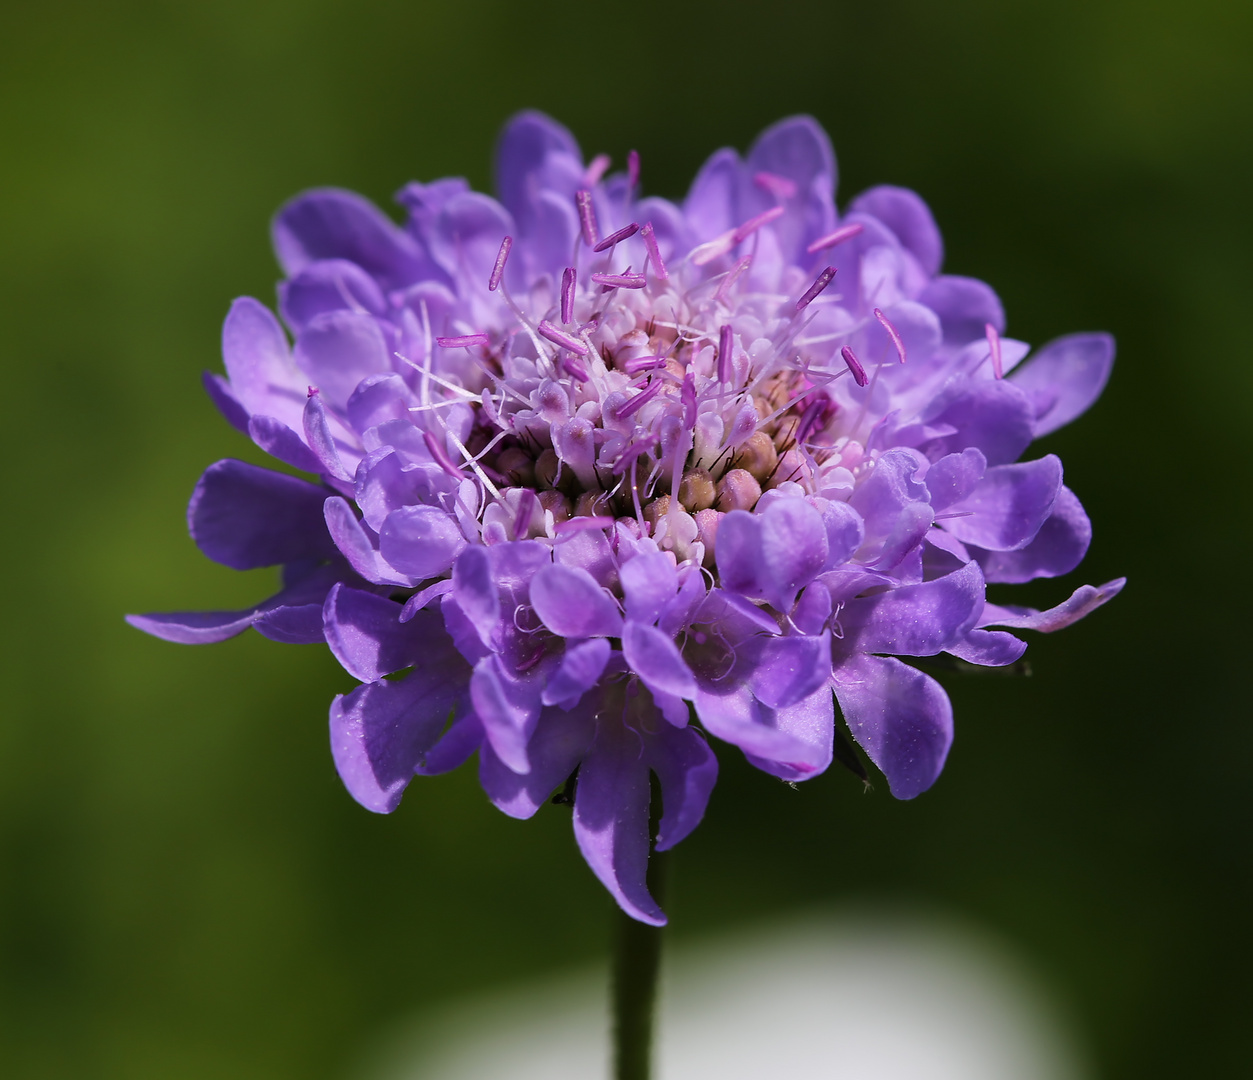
(637, 961)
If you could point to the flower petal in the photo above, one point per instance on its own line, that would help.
(1065, 377)
(263, 375)
(328, 285)
(915, 620)
(1085, 599)
(989, 648)
(570, 603)
(421, 541)
(338, 350)
(687, 770)
(475, 590)
(655, 658)
(559, 743)
(244, 516)
(965, 306)
(581, 666)
(1009, 505)
(787, 669)
(900, 717)
(649, 582)
(367, 637)
(904, 212)
(611, 820)
(1057, 548)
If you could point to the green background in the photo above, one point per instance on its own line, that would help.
(186, 890)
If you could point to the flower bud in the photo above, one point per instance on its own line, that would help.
(737, 490)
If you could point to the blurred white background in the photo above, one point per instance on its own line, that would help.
(853, 997)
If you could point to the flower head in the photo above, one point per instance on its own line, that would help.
(604, 476)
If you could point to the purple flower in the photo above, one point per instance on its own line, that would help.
(604, 476)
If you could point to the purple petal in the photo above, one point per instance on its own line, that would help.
(339, 349)
(1009, 505)
(611, 820)
(915, 620)
(194, 627)
(475, 591)
(649, 582)
(993, 415)
(380, 732)
(809, 722)
(581, 666)
(787, 669)
(954, 476)
(463, 737)
(224, 398)
(989, 648)
(279, 441)
(292, 624)
(687, 770)
(845, 532)
(466, 237)
(353, 543)
(263, 375)
(904, 212)
(570, 603)
(529, 140)
(320, 441)
(421, 541)
(796, 148)
(793, 548)
(560, 741)
(1085, 599)
(733, 714)
(244, 517)
(711, 206)
(965, 306)
(1058, 547)
(377, 399)
(367, 637)
(328, 223)
(738, 552)
(655, 658)
(1065, 377)
(328, 285)
(509, 708)
(900, 717)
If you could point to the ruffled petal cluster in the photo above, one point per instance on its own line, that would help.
(597, 476)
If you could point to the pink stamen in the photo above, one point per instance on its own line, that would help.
(641, 399)
(624, 233)
(310, 391)
(774, 184)
(574, 369)
(498, 270)
(441, 456)
(710, 250)
(859, 372)
(560, 337)
(820, 282)
(583, 524)
(465, 341)
(844, 232)
(687, 395)
(599, 166)
(620, 281)
(526, 506)
(896, 338)
(654, 253)
(587, 217)
(633, 168)
(732, 277)
(813, 417)
(643, 363)
(725, 370)
(994, 343)
(567, 294)
(754, 223)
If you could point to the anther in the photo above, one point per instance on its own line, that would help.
(567, 294)
(583, 524)
(732, 276)
(641, 399)
(820, 282)
(754, 223)
(654, 252)
(633, 168)
(844, 232)
(560, 337)
(687, 395)
(774, 184)
(859, 372)
(598, 167)
(493, 282)
(620, 281)
(465, 341)
(643, 363)
(625, 233)
(440, 456)
(994, 344)
(574, 369)
(725, 371)
(587, 217)
(896, 338)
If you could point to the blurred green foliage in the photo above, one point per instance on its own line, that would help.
(185, 889)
